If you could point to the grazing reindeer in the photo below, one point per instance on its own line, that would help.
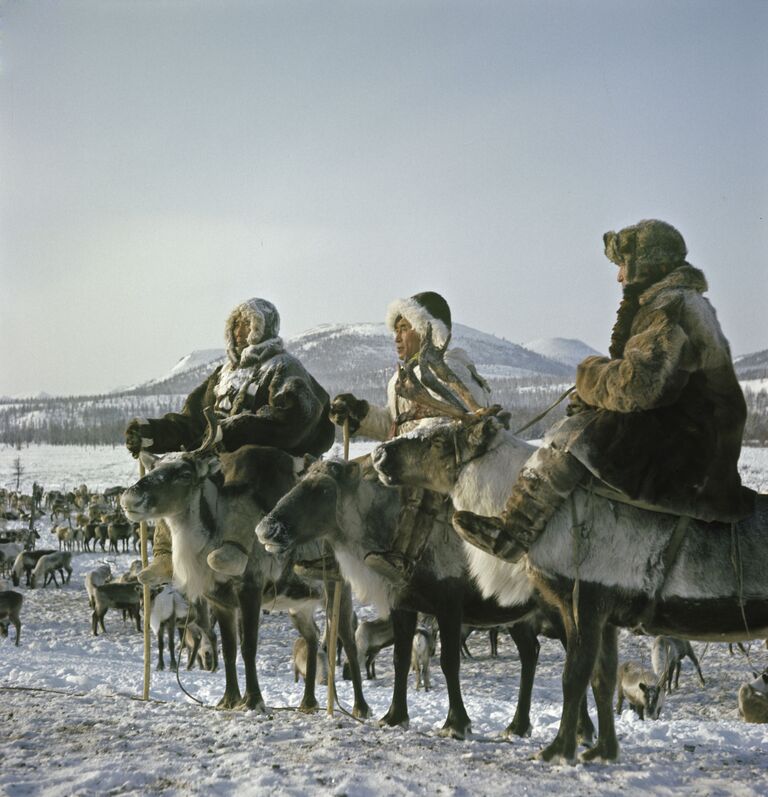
(47, 566)
(753, 699)
(201, 496)
(115, 595)
(667, 656)
(25, 564)
(10, 611)
(344, 503)
(641, 688)
(371, 636)
(715, 589)
(201, 646)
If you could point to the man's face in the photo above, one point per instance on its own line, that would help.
(242, 328)
(407, 340)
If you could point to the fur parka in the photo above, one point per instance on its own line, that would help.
(262, 395)
(665, 412)
(380, 422)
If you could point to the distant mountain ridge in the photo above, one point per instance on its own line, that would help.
(355, 358)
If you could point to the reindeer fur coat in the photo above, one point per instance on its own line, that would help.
(665, 412)
(262, 395)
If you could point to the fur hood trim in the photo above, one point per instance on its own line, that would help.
(685, 277)
(265, 324)
(418, 317)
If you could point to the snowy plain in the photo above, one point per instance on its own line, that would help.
(72, 723)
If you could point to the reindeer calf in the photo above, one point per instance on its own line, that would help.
(753, 699)
(10, 610)
(667, 657)
(201, 646)
(421, 652)
(642, 690)
(370, 637)
(126, 597)
(98, 576)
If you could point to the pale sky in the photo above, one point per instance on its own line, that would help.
(162, 161)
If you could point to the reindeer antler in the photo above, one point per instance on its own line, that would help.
(409, 387)
(212, 435)
(435, 371)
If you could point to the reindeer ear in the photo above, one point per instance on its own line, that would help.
(483, 432)
(643, 688)
(148, 460)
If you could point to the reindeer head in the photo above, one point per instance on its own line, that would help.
(432, 455)
(654, 699)
(310, 510)
(172, 479)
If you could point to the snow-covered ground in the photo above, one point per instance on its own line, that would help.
(72, 723)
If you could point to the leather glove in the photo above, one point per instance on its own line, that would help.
(138, 436)
(346, 407)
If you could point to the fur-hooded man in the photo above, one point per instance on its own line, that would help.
(660, 419)
(408, 320)
(261, 395)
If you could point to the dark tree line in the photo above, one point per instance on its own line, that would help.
(101, 420)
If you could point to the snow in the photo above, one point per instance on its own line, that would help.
(562, 350)
(73, 723)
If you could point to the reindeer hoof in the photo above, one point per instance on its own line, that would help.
(390, 721)
(554, 754)
(517, 729)
(229, 701)
(600, 753)
(455, 732)
(308, 706)
(252, 703)
(361, 712)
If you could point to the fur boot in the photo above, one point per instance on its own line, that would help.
(547, 479)
(160, 570)
(232, 557)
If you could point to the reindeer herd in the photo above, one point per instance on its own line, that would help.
(578, 588)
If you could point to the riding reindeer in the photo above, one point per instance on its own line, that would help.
(603, 563)
(345, 504)
(200, 495)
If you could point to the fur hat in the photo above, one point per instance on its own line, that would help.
(264, 320)
(419, 311)
(650, 249)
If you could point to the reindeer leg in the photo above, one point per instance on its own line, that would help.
(361, 709)
(603, 686)
(457, 725)
(227, 619)
(171, 643)
(583, 644)
(160, 662)
(404, 624)
(250, 611)
(527, 643)
(304, 623)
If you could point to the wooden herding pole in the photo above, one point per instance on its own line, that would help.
(333, 630)
(147, 601)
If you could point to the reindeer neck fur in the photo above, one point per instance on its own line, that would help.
(194, 535)
(354, 539)
(483, 486)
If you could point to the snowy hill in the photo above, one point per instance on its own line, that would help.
(562, 350)
(361, 357)
(752, 366)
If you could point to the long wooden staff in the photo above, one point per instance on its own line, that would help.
(333, 631)
(147, 599)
